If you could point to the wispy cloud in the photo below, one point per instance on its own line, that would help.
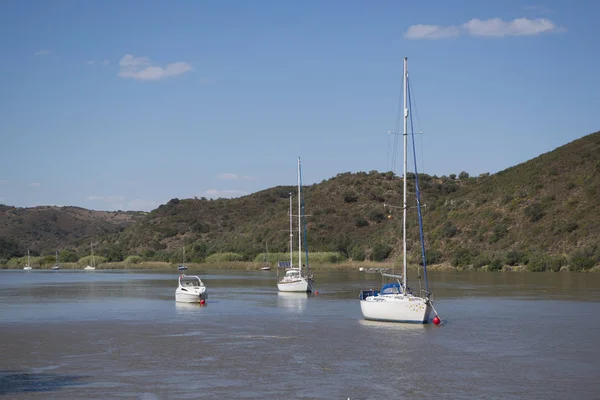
(3, 182)
(142, 68)
(144, 205)
(232, 176)
(494, 27)
(215, 193)
(421, 31)
(107, 199)
(43, 52)
(103, 62)
(538, 8)
(34, 184)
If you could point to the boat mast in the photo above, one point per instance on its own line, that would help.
(291, 236)
(405, 135)
(299, 222)
(92, 251)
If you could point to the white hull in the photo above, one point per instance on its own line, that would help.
(88, 268)
(27, 268)
(396, 308)
(190, 297)
(300, 285)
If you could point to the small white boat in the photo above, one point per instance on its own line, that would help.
(28, 266)
(265, 269)
(56, 266)
(191, 289)
(297, 279)
(93, 266)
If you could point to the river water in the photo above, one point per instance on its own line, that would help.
(121, 335)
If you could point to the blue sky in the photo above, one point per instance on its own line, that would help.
(126, 104)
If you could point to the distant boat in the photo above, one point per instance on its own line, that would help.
(56, 266)
(395, 301)
(182, 266)
(191, 289)
(28, 267)
(93, 266)
(295, 279)
(266, 266)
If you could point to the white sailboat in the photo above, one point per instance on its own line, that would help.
(182, 266)
(297, 279)
(28, 267)
(395, 301)
(56, 266)
(93, 266)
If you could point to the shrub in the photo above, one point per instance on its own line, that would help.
(361, 222)
(224, 257)
(133, 260)
(357, 253)
(380, 252)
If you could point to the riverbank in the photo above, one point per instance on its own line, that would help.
(365, 266)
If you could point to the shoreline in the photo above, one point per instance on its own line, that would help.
(368, 266)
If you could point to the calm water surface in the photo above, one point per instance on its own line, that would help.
(120, 334)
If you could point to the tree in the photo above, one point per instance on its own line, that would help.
(463, 175)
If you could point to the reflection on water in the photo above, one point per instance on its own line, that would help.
(379, 326)
(189, 308)
(523, 336)
(295, 302)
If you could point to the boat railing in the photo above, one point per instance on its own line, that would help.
(366, 293)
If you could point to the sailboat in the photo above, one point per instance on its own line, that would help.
(395, 302)
(266, 266)
(93, 266)
(56, 266)
(28, 266)
(297, 279)
(182, 266)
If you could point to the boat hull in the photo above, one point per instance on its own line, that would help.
(396, 308)
(190, 297)
(301, 285)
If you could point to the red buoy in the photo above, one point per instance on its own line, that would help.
(436, 320)
(202, 302)
(317, 293)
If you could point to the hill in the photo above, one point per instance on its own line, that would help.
(46, 229)
(543, 213)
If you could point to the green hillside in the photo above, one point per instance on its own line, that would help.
(543, 213)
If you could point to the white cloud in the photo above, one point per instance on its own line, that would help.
(431, 32)
(517, 27)
(34, 184)
(494, 27)
(44, 52)
(215, 193)
(91, 62)
(232, 176)
(142, 68)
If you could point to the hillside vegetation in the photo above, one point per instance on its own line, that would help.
(543, 214)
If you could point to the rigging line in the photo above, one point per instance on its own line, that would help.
(418, 194)
(420, 129)
(303, 216)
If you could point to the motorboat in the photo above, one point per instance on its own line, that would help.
(191, 289)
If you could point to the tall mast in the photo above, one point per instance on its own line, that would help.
(299, 221)
(405, 135)
(291, 235)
